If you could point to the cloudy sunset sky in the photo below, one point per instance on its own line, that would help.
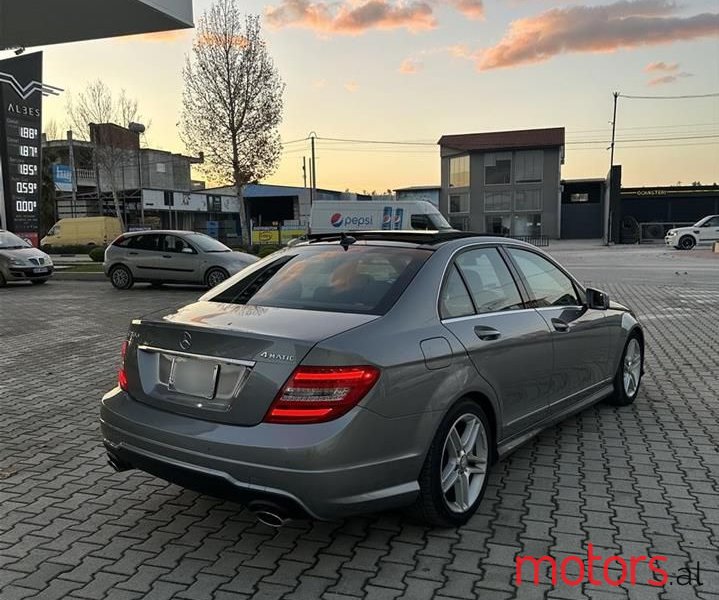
(413, 70)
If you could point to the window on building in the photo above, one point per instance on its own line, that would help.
(528, 166)
(497, 168)
(498, 224)
(579, 197)
(528, 200)
(459, 203)
(497, 202)
(529, 225)
(460, 223)
(459, 171)
(169, 198)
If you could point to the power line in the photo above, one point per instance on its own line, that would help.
(684, 97)
(389, 142)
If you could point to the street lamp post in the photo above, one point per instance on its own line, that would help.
(139, 129)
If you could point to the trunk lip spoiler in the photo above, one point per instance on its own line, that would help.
(207, 357)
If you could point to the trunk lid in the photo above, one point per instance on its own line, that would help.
(223, 362)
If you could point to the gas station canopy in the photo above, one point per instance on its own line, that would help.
(28, 23)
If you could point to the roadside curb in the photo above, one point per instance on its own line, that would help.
(78, 276)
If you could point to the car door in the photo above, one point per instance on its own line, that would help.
(142, 255)
(580, 335)
(709, 231)
(509, 344)
(179, 260)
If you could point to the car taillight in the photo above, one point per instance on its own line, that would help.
(121, 374)
(319, 394)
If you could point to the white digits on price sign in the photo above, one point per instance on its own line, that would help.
(25, 206)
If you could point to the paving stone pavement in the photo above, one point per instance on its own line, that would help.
(640, 480)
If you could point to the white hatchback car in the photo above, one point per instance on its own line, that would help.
(704, 231)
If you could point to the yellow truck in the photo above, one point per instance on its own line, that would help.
(83, 231)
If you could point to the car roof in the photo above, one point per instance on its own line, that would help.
(161, 231)
(407, 237)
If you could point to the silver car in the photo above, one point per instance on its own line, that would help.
(159, 257)
(358, 373)
(20, 261)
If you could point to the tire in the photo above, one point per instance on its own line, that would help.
(39, 281)
(629, 373)
(121, 277)
(453, 504)
(687, 242)
(215, 276)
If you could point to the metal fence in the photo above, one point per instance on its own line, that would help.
(536, 240)
(655, 232)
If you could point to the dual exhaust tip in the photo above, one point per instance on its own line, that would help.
(266, 513)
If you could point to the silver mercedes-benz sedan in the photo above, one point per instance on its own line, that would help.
(159, 257)
(366, 371)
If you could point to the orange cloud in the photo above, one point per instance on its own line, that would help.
(472, 9)
(410, 66)
(665, 79)
(661, 67)
(158, 36)
(603, 28)
(351, 18)
(351, 86)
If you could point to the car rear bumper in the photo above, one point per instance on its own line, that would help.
(359, 463)
(27, 273)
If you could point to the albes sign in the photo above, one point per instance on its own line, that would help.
(21, 94)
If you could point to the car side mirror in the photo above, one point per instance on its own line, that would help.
(597, 299)
(187, 250)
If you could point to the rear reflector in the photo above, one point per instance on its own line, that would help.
(319, 394)
(122, 375)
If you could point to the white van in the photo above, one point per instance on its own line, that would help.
(328, 217)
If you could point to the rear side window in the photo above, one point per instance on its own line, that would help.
(454, 301)
(140, 242)
(489, 281)
(363, 279)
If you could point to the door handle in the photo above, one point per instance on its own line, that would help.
(560, 325)
(132, 253)
(166, 256)
(487, 333)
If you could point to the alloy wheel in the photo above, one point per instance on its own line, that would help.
(120, 278)
(215, 277)
(632, 367)
(465, 460)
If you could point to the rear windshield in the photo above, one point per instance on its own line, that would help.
(362, 279)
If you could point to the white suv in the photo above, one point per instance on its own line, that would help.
(705, 231)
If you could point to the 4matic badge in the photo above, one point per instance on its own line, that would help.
(280, 357)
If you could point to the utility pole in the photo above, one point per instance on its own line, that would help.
(73, 181)
(313, 170)
(304, 170)
(607, 224)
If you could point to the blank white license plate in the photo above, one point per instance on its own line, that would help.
(193, 377)
(39, 270)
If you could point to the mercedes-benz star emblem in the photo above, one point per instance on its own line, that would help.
(186, 341)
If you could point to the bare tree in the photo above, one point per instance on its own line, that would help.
(98, 105)
(232, 102)
(52, 130)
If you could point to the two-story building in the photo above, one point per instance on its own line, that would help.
(505, 182)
